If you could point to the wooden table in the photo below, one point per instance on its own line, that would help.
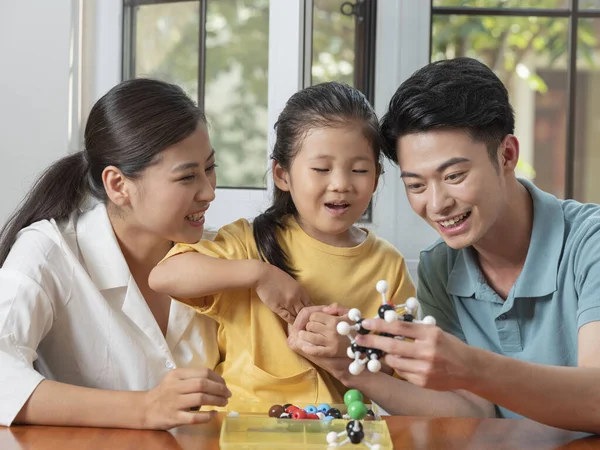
(407, 433)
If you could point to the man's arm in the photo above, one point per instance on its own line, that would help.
(564, 397)
(396, 396)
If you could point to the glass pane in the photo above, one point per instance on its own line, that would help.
(166, 44)
(529, 54)
(587, 113)
(237, 53)
(589, 4)
(504, 3)
(333, 36)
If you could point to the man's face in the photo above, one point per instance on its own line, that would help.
(451, 182)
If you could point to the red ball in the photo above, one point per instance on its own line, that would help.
(312, 416)
(291, 409)
(299, 414)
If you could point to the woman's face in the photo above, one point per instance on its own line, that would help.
(170, 198)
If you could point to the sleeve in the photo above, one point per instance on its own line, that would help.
(587, 275)
(434, 300)
(232, 242)
(26, 316)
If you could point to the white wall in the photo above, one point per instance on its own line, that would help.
(34, 92)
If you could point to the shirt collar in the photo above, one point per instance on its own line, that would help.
(539, 275)
(100, 250)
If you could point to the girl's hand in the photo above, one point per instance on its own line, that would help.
(315, 328)
(169, 404)
(281, 293)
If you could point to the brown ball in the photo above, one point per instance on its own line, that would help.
(276, 411)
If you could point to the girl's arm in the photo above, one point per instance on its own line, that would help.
(191, 277)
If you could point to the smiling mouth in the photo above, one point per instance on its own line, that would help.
(455, 221)
(337, 206)
(196, 217)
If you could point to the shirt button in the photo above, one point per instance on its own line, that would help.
(169, 364)
(502, 317)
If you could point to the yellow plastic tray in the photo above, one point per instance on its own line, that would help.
(252, 432)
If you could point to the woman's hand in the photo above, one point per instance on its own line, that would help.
(169, 404)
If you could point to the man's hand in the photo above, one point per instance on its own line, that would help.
(435, 360)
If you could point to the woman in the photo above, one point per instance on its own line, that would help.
(84, 341)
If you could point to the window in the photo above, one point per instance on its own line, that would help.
(341, 47)
(218, 52)
(547, 53)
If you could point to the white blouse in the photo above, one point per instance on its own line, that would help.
(71, 311)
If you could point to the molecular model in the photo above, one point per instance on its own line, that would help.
(389, 312)
(355, 434)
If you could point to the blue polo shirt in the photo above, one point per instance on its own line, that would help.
(557, 292)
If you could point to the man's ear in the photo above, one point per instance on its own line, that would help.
(509, 153)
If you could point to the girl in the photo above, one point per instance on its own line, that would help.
(326, 164)
(84, 341)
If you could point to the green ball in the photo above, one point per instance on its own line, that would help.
(352, 396)
(357, 410)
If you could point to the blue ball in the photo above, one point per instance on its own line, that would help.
(310, 409)
(323, 407)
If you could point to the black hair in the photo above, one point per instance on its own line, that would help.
(325, 105)
(127, 128)
(460, 93)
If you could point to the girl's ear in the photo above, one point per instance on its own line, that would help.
(280, 177)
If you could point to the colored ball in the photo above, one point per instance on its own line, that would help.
(357, 348)
(351, 396)
(299, 414)
(382, 286)
(276, 411)
(354, 425)
(383, 308)
(362, 330)
(356, 437)
(357, 410)
(311, 409)
(374, 351)
(334, 412)
(323, 407)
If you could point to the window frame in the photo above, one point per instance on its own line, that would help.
(364, 48)
(573, 13)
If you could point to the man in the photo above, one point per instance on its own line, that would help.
(514, 281)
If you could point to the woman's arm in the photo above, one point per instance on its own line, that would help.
(166, 406)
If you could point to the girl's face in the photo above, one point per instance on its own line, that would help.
(171, 197)
(331, 181)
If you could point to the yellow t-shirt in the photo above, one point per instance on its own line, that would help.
(256, 362)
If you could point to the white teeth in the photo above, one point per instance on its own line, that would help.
(450, 222)
(195, 217)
